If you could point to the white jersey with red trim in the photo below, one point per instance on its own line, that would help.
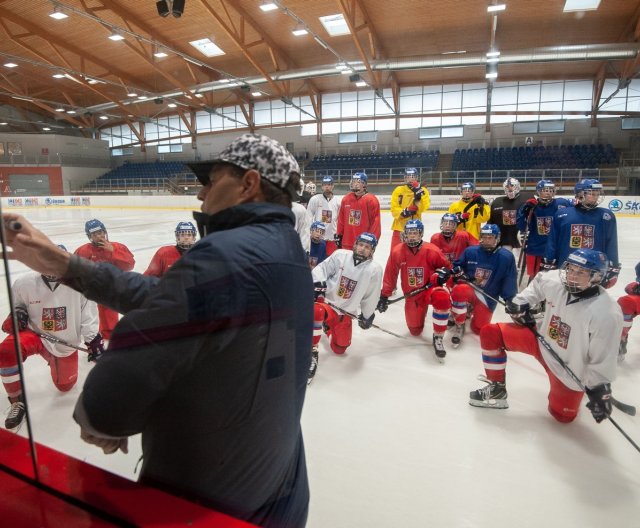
(584, 332)
(63, 312)
(349, 286)
(325, 210)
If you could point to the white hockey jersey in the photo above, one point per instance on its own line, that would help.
(585, 333)
(303, 225)
(349, 286)
(325, 211)
(63, 313)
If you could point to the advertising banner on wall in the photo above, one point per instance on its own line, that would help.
(47, 201)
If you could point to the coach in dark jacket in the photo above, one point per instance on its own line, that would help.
(210, 362)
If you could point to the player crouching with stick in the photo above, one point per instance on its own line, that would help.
(53, 320)
(581, 324)
(344, 282)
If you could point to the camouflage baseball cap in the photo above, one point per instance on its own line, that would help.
(253, 151)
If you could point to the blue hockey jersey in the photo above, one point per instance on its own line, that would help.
(540, 224)
(575, 228)
(494, 272)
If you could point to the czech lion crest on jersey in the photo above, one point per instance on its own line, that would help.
(508, 217)
(559, 331)
(54, 319)
(355, 216)
(346, 287)
(326, 216)
(415, 276)
(543, 225)
(482, 276)
(582, 236)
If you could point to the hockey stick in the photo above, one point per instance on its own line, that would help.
(522, 260)
(624, 407)
(411, 293)
(57, 340)
(353, 316)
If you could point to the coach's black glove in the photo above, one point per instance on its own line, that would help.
(319, 289)
(96, 348)
(365, 324)
(383, 304)
(458, 274)
(338, 240)
(599, 401)
(520, 313)
(611, 277)
(548, 264)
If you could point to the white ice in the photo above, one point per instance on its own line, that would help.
(389, 434)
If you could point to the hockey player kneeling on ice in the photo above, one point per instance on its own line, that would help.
(44, 306)
(582, 324)
(489, 267)
(347, 280)
(167, 256)
(418, 264)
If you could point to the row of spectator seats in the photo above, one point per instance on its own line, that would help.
(555, 157)
(158, 169)
(427, 160)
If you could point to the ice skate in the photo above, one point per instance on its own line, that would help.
(622, 351)
(438, 346)
(314, 364)
(15, 416)
(492, 396)
(458, 333)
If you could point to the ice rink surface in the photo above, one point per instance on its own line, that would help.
(390, 438)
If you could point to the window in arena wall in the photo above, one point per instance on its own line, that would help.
(310, 129)
(385, 124)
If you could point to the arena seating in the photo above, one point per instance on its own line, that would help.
(425, 160)
(555, 157)
(143, 171)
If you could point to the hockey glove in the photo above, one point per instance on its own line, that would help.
(23, 321)
(338, 240)
(383, 304)
(409, 211)
(96, 348)
(319, 289)
(458, 274)
(520, 313)
(418, 192)
(462, 217)
(440, 276)
(600, 401)
(528, 206)
(478, 200)
(633, 288)
(548, 264)
(365, 324)
(612, 275)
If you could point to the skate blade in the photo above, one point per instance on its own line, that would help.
(490, 404)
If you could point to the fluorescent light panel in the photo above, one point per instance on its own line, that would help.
(335, 25)
(58, 75)
(491, 75)
(207, 47)
(361, 84)
(58, 15)
(104, 118)
(268, 6)
(256, 94)
(116, 37)
(299, 32)
(581, 5)
(496, 7)
(160, 54)
(10, 65)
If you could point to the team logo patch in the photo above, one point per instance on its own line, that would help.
(326, 216)
(543, 225)
(559, 331)
(415, 276)
(346, 287)
(482, 276)
(582, 236)
(313, 261)
(450, 257)
(508, 218)
(354, 217)
(54, 319)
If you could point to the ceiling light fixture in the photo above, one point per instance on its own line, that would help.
(160, 54)
(256, 94)
(10, 65)
(361, 84)
(115, 36)
(172, 105)
(268, 6)
(58, 75)
(71, 112)
(496, 7)
(206, 47)
(132, 94)
(300, 30)
(104, 118)
(46, 129)
(581, 5)
(57, 13)
(335, 25)
(59, 109)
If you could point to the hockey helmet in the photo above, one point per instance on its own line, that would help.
(93, 226)
(317, 231)
(589, 193)
(511, 188)
(364, 247)
(583, 269)
(185, 235)
(413, 231)
(489, 230)
(448, 224)
(546, 190)
(410, 174)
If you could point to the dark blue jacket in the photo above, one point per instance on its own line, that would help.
(210, 364)
(539, 225)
